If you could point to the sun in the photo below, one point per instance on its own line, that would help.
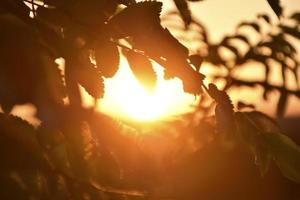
(125, 97)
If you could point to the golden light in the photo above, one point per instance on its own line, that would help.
(125, 97)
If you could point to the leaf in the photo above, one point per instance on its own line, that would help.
(224, 109)
(293, 31)
(136, 19)
(142, 69)
(254, 25)
(286, 154)
(264, 136)
(41, 80)
(161, 43)
(241, 37)
(165, 49)
(196, 60)
(296, 16)
(18, 142)
(214, 55)
(275, 5)
(90, 78)
(233, 49)
(107, 57)
(265, 17)
(184, 11)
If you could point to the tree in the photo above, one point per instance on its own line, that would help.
(77, 153)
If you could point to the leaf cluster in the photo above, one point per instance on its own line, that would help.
(77, 153)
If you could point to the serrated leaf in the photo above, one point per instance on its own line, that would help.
(136, 19)
(18, 142)
(223, 111)
(275, 5)
(92, 81)
(161, 43)
(107, 57)
(142, 69)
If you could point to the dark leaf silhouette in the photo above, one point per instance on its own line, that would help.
(293, 31)
(91, 12)
(224, 109)
(142, 69)
(79, 153)
(18, 141)
(295, 16)
(265, 17)
(196, 60)
(275, 5)
(136, 19)
(90, 78)
(107, 57)
(254, 25)
(41, 79)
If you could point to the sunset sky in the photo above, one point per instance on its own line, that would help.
(124, 96)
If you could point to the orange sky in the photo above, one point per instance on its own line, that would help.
(220, 17)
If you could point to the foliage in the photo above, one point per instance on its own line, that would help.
(77, 153)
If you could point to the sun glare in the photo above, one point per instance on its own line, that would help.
(126, 98)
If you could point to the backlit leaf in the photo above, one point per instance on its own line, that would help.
(107, 57)
(92, 81)
(142, 69)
